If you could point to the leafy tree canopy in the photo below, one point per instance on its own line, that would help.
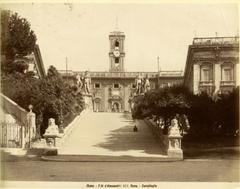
(22, 39)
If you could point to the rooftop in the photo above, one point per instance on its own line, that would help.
(216, 41)
(116, 33)
(122, 74)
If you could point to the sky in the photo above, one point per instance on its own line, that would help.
(80, 32)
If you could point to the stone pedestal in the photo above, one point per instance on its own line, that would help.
(174, 141)
(174, 147)
(51, 133)
(88, 101)
(51, 139)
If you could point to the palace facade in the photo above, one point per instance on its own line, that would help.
(212, 65)
(112, 90)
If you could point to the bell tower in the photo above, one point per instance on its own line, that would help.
(116, 53)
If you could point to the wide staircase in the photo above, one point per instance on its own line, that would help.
(111, 134)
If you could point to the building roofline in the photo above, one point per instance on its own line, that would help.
(39, 60)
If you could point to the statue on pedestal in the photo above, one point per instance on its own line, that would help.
(174, 138)
(51, 133)
(87, 83)
(174, 135)
(146, 84)
(174, 129)
(138, 83)
(52, 128)
(31, 124)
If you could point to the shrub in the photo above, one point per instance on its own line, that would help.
(50, 96)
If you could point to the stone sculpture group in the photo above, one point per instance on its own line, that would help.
(83, 83)
(142, 84)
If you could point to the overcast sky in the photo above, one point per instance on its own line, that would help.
(80, 32)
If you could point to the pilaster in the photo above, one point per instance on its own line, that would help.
(217, 76)
(196, 78)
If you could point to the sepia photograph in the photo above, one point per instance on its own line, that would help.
(119, 94)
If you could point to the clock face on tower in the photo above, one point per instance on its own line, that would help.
(116, 53)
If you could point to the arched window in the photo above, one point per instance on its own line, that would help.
(116, 43)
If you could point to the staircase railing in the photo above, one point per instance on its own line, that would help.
(13, 132)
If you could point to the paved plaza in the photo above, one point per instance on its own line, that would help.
(111, 134)
(187, 170)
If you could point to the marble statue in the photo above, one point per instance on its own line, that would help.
(31, 123)
(174, 128)
(87, 83)
(174, 138)
(52, 128)
(146, 84)
(79, 81)
(51, 133)
(138, 83)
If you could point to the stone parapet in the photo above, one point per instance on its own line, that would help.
(157, 131)
(88, 100)
(68, 130)
(14, 109)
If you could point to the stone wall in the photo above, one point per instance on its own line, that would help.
(157, 131)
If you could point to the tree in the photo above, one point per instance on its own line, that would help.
(227, 111)
(52, 72)
(203, 115)
(164, 103)
(22, 39)
(19, 42)
(51, 97)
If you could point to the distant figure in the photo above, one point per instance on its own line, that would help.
(135, 129)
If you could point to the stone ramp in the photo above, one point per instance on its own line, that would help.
(111, 134)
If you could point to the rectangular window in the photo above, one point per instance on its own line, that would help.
(227, 74)
(97, 85)
(116, 85)
(206, 74)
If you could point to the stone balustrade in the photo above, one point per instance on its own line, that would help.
(170, 143)
(216, 40)
(14, 109)
(93, 74)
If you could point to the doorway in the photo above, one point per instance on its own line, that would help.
(115, 107)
